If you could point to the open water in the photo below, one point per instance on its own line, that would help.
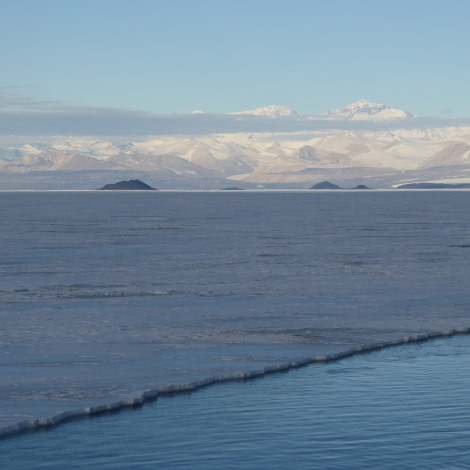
(105, 295)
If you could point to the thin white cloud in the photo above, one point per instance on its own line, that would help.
(24, 116)
(13, 98)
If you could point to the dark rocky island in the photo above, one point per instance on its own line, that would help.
(328, 185)
(325, 185)
(131, 185)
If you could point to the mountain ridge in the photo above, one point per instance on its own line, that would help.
(273, 111)
(296, 156)
(365, 110)
(360, 110)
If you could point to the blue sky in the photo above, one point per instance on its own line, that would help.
(163, 56)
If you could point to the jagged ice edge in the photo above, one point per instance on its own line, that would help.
(152, 395)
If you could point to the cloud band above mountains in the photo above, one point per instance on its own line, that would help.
(114, 122)
(22, 116)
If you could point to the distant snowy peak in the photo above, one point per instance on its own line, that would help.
(362, 110)
(270, 111)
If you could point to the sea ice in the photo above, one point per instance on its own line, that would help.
(108, 299)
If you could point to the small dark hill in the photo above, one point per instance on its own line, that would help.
(325, 185)
(232, 188)
(131, 185)
(361, 186)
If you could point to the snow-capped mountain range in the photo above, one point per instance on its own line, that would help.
(270, 111)
(363, 110)
(360, 110)
(309, 151)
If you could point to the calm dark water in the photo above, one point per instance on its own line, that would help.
(402, 407)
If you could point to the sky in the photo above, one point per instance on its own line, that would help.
(219, 56)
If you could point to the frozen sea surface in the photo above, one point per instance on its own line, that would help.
(105, 295)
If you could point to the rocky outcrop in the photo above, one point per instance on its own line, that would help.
(131, 185)
(325, 185)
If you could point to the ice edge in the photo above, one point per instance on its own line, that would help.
(152, 395)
